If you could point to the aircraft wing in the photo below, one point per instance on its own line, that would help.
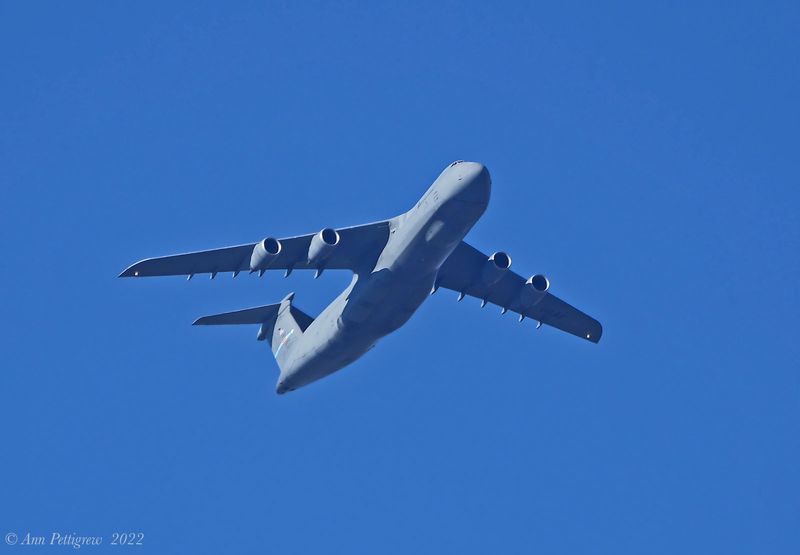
(464, 272)
(358, 248)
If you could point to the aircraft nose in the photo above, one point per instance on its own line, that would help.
(474, 183)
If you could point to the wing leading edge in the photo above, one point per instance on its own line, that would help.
(462, 272)
(357, 247)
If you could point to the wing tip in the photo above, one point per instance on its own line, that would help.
(595, 334)
(132, 270)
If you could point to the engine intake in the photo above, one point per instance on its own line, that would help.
(265, 253)
(539, 282)
(496, 266)
(322, 245)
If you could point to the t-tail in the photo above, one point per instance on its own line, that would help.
(282, 323)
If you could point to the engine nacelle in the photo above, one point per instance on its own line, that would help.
(321, 247)
(265, 253)
(534, 291)
(496, 266)
(539, 282)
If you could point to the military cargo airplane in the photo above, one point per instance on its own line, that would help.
(396, 264)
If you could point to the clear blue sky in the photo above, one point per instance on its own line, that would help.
(644, 158)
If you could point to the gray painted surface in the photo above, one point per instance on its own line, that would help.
(396, 264)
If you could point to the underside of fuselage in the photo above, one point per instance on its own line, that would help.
(380, 301)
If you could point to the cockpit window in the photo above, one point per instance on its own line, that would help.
(456, 162)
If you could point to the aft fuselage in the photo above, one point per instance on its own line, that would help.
(377, 303)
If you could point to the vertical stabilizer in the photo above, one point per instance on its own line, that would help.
(287, 332)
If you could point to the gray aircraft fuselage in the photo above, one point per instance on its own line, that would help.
(377, 303)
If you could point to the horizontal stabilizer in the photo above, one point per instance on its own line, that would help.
(257, 315)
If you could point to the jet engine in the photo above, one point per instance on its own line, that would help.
(322, 245)
(539, 282)
(496, 266)
(264, 253)
(534, 291)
